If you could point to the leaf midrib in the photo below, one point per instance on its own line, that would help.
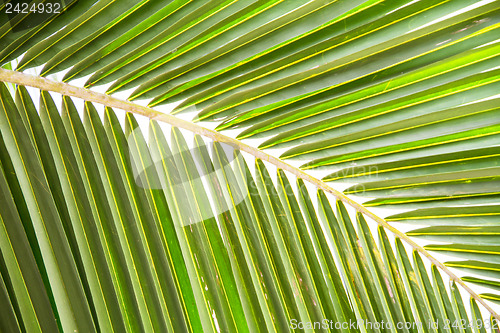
(19, 78)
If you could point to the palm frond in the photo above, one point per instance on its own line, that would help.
(398, 99)
(110, 231)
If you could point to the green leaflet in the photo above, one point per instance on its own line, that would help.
(66, 284)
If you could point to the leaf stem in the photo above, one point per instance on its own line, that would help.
(42, 83)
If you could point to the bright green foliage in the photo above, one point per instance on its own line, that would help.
(105, 230)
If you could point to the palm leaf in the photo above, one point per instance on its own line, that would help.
(261, 248)
(396, 99)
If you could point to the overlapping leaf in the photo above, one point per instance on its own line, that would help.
(162, 235)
